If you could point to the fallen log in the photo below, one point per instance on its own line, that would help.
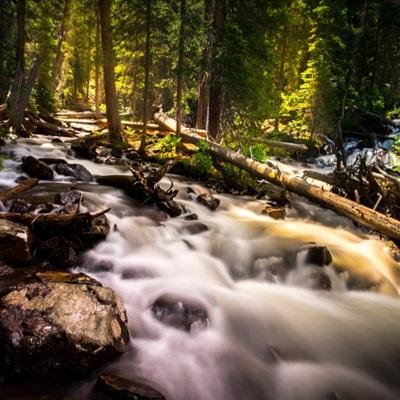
(295, 147)
(357, 212)
(16, 190)
(47, 128)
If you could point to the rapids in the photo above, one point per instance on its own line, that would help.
(278, 340)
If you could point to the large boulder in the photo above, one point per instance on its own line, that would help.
(37, 169)
(50, 327)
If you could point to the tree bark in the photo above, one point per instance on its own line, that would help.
(216, 98)
(180, 68)
(13, 100)
(357, 212)
(114, 122)
(97, 69)
(61, 38)
(146, 78)
(204, 82)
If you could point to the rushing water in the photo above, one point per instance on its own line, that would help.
(278, 340)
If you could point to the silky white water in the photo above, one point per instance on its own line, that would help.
(279, 340)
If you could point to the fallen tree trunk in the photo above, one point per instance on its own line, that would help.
(357, 212)
(22, 187)
(296, 147)
(47, 128)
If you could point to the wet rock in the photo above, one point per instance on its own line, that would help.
(36, 169)
(181, 313)
(191, 217)
(137, 274)
(77, 171)
(319, 280)
(20, 179)
(56, 140)
(57, 251)
(83, 149)
(121, 388)
(195, 228)
(274, 212)
(48, 328)
(5, 269)
(209, 201)
(19, 206)
(68, 198)
(317, 255)
(15, 240)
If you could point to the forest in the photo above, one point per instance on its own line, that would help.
(199, 199)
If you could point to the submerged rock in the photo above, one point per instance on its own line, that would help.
(209, 201)
(37, 169)
(319, 280)
(185, 314)
(52, 327)
(15, 240)
(121, 388)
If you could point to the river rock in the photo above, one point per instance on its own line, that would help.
(68, 198)
(57, 251)
(19, 206)
(51, 327)
(15, 240)
(126, 389)
(194, 228)
(36, 169)
(209, 201)
(5, 269)
(78, 171)
(274, 212)
(181, 313)
(317, 255)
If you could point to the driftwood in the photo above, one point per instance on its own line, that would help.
(143, 187)
(22, 187)
(358, 213)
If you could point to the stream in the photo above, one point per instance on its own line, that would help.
(270, 332)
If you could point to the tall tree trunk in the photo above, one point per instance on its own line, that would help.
(61, 38)
(14, 97)
(216, 99)
(146, 78)
(97, 69)
(281, 76)
(180, 71)
(114, 122)
(204, 85)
